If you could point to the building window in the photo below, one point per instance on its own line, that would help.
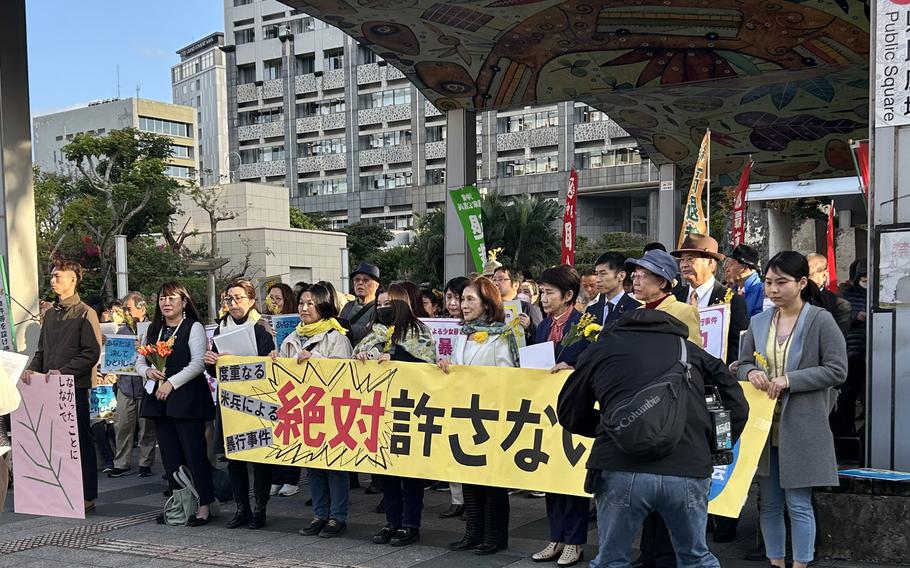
(271, 69)
(59, 138)
(324, 107)
(385, 181)
(386, 98)
(242, 2)
(181, 172)
(589, 114)
(273, 154)
(334, 59)
(271, 31)
(159, 126)
(244, 36)
(302, 25)
(324, 187)
(528, 121)
(246, 74)
(528, 166)
(261, 116)
(322, 147)
(366, 55)
(608, 158)
(207, 60)
(388, 139)
(436, 177)
(306, 63)
(436, 133)
(180, 151)
(250, 156)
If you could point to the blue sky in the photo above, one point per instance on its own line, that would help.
(74, 47)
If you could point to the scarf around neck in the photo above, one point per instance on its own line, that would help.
(250, 318)
(493, 328)
(321, 326)
(558, 327)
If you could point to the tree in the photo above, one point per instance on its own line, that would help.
(209, 199)
(628, 244)
(310, 221)
(524, 227)
(365, 241)
(428, 248)
(122, 189)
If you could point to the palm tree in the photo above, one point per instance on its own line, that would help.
(525, 227)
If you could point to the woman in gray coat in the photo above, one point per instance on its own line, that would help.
(797, 355)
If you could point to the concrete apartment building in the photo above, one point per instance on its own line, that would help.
(51, 132)
(351, 137)
(200, 81)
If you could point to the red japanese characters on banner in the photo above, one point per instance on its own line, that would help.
(739, 207)
(832, 258)
(568, 220)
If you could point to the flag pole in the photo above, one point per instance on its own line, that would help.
(708, 223)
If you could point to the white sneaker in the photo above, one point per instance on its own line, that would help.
(274, 490)
(287, 490)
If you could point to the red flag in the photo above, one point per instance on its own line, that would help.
(739, 206)
(832, 260)
(568, 220)
(861, 161)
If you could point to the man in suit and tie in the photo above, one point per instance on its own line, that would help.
(610, 270)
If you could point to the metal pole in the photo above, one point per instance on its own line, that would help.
(708, 181)
(461, 170)
(213, 300)
(123, 287)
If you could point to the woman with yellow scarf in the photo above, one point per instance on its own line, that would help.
(320, 335)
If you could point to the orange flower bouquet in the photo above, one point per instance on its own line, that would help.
(157, 354)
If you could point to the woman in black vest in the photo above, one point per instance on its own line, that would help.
(241, 300)
(180, 402)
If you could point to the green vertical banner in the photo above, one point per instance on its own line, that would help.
(7, 331)
(467, 205)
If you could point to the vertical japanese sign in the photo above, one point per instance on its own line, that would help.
(48, 473)
(694, 219)
(444, 333)
(739, 207)
(891, 91)
(467, 204)
(568, 220)
(715, 325)
(7, 333)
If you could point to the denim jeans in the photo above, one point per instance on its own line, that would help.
(624, 499)
(771, 516)
(330, 491)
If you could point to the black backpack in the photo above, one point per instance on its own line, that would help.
(649, 424)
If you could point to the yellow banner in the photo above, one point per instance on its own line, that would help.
(694, 219)
(482, 425)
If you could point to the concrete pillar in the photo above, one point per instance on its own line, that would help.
(461, 170)
(888, 323)
(17, 213)
(668, 203)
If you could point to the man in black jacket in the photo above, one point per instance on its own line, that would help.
(643, 346)
(612, 302)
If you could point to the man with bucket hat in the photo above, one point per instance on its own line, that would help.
(653, 277)
(741, 273)
(360, 311)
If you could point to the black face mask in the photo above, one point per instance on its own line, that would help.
(385, 316)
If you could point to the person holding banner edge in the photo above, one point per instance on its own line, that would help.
(180, 402)
(795, 353)
(567, 514)
(285, 478)
(241, 299)
(321, 335)
(397, 334)
(454, 289)
(484, 340)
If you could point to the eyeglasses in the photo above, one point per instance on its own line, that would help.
(499, 280)
(235, 299)
(169, 299)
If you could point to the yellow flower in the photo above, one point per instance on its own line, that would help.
(480, 336)
(760, 360)
(592, 328)
(728, 297)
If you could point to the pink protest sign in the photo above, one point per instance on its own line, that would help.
(47, 475)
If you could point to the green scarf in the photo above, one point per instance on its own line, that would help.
(495, 328)
(321, 326)
(420, 345)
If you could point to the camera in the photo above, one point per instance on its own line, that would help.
(721, 428)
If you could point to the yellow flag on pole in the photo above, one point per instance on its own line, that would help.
(694, 219)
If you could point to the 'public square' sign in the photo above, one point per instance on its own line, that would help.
(892, 66)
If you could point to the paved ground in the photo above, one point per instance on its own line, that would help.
(122, 532)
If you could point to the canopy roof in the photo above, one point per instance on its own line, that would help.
(785, 81)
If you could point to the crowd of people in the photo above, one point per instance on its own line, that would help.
(786, 337)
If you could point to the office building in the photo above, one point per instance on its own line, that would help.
(352, 138)
(200, 81)
(52, 132)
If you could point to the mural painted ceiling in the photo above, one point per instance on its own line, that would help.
(785, 81)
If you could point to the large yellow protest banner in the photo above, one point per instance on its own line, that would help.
(481, 425)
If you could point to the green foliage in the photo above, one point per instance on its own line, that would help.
(427, 252)
(310, 221)
(365, 241)
(525, 228)
(629, 244)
